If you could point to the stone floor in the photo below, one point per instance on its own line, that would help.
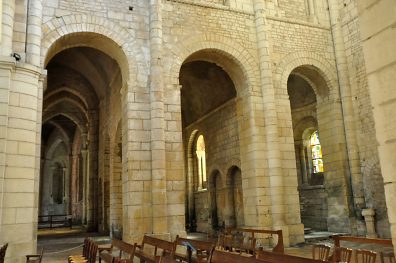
(59, 243)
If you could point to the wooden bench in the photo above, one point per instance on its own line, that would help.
(122, 247)
(273, 257)
(361, 240)
(254, 236)
(167, 249)
(202, 249)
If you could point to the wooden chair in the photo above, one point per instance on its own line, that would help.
(125, 250)
(85, 251)
(320, 251)
(390, 256)
(91, 254)
(202, 250)
(36, 258)
(3, 250)
(341, 254)
(167, 249)
(365, 256)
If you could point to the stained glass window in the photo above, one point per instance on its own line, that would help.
(316, 150)
(201, 159)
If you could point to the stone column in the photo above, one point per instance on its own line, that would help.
(311, 8)
(270, 115)
(347, 110)
(7, 26)
(5, 80)
(19, 140)
(304, 177)
(159, 194)
(33, 39)
(368, 215)
(84, 156)
(199, 158)
(378, 38)
(74, 184)
(190, 188)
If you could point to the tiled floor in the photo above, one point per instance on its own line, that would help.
(60, 243)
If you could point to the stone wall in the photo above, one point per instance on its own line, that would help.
(377, 20)
(365, 130)
(220, 131)
(313, 200)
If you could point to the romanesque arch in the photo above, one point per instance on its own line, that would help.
(71, 30)
(234, 58)
(89, 61)
(318, 109)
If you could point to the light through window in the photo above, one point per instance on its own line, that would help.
(316, 150)
(201, 159)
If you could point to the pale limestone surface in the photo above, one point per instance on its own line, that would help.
(129, 161)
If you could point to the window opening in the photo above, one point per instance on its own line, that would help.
(316, 151)
(201, 159)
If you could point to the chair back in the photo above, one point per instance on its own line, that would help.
(320, 251)
(365, 256)
(387, 257)
(41, 255)
(3, 250)
(93, 252)
(342, 254)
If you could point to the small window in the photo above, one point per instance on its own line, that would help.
(201, 160)
(316, 151)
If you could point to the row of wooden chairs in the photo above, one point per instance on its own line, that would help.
(343, 254)
(90, 249)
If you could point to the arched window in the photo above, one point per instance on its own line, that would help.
(316, 153)
(201, 160)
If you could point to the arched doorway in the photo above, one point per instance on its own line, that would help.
(210, 129)
(217, 201)
(83, 89)
(234, 212)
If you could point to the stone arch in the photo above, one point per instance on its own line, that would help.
(79, 123)
(54, 145)
(78, 95)
(58, 36)
(234, 209)
(310, 61)
(224, 52)
(215, 185)
(73, 102)
(64, 134)
(302, 125)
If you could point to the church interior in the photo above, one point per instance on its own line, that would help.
(166, 118)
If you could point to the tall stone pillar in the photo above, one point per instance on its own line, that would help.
(159, 195)
(84, 157)
(20, 99)
(358, 200)
(378, 38)
(33, 38)
(7, 26)
(304, 173)
(273, 153)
